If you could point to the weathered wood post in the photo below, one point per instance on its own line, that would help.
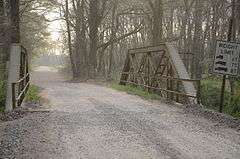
(15, 52)
(13, 73)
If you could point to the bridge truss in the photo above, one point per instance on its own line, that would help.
(160, 69)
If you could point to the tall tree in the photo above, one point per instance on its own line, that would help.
(94, 21)
(69, 41)
(197, 40)
(15, 21)
(157, 20)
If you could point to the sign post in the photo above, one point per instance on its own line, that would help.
(227, 59)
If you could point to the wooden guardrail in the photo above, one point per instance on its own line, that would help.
(20, 88)
(175, 92)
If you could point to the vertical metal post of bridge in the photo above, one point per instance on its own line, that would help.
(13, 73)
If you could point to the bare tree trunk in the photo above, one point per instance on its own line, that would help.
(113, 36)
(2, 39)
(170, 24)
(213, 31)
(15, 21)
(157, 30)
(197, 41)
(101, 63)
(93, 29)
(184, 36)
(70, 40)
(83, 43)
(80, 41)
(238, 18)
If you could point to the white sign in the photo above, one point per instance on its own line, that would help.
(227, 58)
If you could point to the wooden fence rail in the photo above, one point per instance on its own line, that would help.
(20, 88)
(177, 91)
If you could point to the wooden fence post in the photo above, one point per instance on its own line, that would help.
(13, 73)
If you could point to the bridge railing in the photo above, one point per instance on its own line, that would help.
(173, 92)
(153, 68)
(20, 88)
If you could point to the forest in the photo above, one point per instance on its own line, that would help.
(97, 34)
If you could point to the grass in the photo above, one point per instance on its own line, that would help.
(1, 109)
(211, 91)
(33, 94)
(130, 89)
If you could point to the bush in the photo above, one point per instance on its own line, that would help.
(33, 94)
(234, 107)
(130, 89)
(210, 96)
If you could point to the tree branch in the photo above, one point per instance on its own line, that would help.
(111, 41)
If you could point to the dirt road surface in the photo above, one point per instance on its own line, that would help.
(88, 121)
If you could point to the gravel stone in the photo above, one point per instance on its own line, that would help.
(89, 121)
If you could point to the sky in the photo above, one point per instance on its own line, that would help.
(54, 29)
(54, 26)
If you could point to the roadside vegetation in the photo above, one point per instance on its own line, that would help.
(33, 94)
(210, 95)
(136, 91)
(211, 91)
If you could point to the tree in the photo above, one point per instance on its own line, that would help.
(157, 20)
(15, 21)
(197, 41)
(74, 68)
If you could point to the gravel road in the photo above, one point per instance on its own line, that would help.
(88, 121)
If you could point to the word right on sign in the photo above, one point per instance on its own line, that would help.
(227, 58)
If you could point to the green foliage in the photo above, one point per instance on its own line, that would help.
(2, 95)
(130, 89)
(210, 96)
(233, 108)
(35, 36)
(1, 109)
(33, 94)
(211, 91)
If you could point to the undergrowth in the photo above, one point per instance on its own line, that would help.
(33, 94)
(134, 90)
(210, 96)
